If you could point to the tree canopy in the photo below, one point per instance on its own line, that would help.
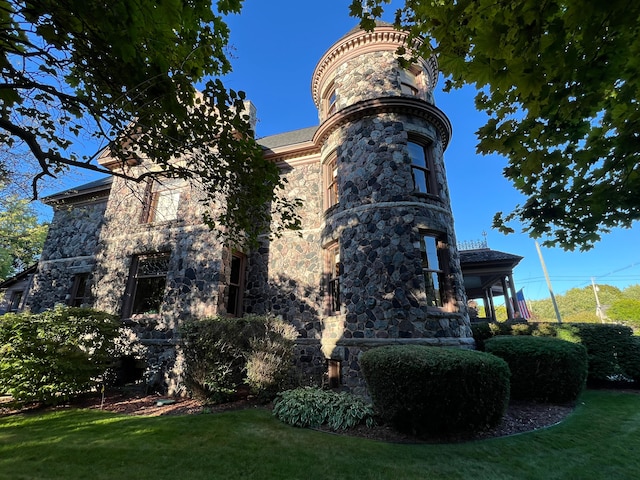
(559, 80)
(579, 304)
(22, 236)
(78, 73)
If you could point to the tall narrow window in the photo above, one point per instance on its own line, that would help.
(432, 270)
(162, 199)
(334, 273)
(409, 81)
(16, 298)
(330, 99)
(80, 291)
(236, 285)
(421, 168)
(146, 286)
(331, 181)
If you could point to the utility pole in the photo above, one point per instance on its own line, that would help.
(546, 276)
(598, 306)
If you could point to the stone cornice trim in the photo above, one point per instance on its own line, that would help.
(383, 38)
(376, 106)
(289, 152)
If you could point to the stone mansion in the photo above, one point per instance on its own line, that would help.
(376, 262)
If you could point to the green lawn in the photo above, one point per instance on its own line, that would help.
(600, 440)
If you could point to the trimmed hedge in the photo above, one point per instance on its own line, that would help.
(613, 352)
(542, 369)
(423, 390)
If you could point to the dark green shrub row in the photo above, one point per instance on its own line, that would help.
(423, 390)
(221, 354)
(613, 352)
(51, 356)
(312, 407)
(542, 368)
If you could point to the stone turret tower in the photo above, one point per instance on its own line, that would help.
(392, 267)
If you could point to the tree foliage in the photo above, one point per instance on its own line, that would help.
(578, 305)
(121, 74)
(559, 81)
(22, 235)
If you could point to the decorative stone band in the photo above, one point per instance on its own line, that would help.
(373, 107)
(360, 42)
(378, 342)
(379, 205)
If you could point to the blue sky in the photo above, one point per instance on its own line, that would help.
(275, 46)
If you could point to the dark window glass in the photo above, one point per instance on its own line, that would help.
(147, 284)
(420, 168)
(234, 301)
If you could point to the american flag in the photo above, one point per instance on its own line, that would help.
(522, 304)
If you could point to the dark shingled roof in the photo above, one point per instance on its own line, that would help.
(487, 255)
(96, 185)
(288, 138)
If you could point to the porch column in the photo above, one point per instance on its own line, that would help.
(507, 300)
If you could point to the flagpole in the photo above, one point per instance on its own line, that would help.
(546, 276)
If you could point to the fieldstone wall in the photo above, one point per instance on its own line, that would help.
(380, 219)
(69, 250)
(284, 275)
(375, 75)
(193, 284)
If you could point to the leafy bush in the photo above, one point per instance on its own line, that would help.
(217, 352)
(481, 332)
(312, 407)
(271, 357)
(424, 390)
(542, 369)
(54, 355)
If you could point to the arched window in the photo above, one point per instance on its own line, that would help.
(329, 100)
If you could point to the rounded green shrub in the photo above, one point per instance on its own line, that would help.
(423, 390)
(542, 368)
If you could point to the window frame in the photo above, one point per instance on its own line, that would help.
(80, 290)
(156, 190)
(427, 170)
(17, 296)
(445, 300)
(409, 79)
(237, 285)
(330, 99)
(333, 273)
(133, 283)
(330, 168)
